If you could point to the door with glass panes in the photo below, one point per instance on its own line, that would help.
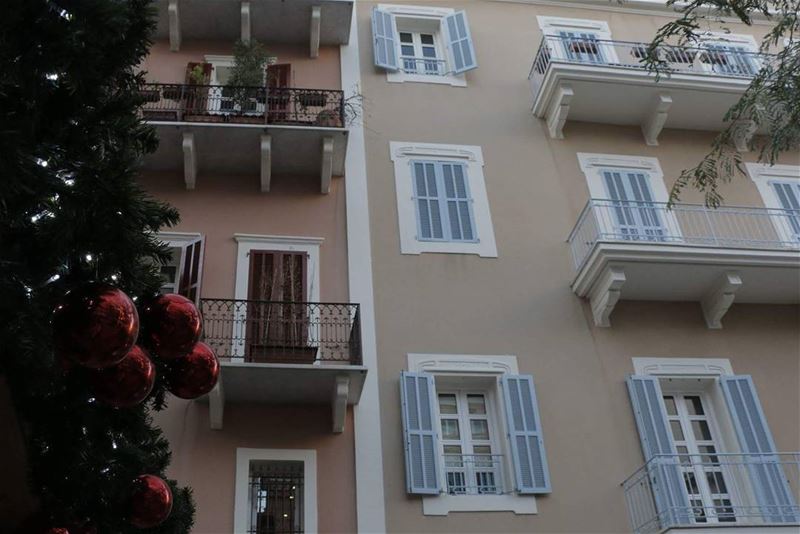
(705, 476)
(471, 465)
(582, 47)
(631, 211)
(788, 194)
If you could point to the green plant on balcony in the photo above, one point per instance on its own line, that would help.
(246, 82)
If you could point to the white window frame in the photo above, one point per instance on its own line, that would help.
(552, 26)
(763, 175)
(248, 242)
(181, 240)
(402, 154)
(424, 15)
(245, 456)
(485, 370)
(593, 166)
(213, 101)
(737, 39)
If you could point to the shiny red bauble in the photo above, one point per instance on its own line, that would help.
(172, 325)
(151, 501)
(195, 374)
(95, 325)
(128, 383)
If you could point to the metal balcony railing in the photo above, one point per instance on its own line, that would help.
(424, 65)
(710, 59)
(721, 489)
(473, 474)
(682, 224)
(248, 105)
(282, 332)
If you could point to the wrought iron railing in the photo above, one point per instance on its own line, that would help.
(282, 332)
(720, 489)
(424, 65)
(711, 58)
(682, 224)
(257, 105)
(277, 498)
(473, 474)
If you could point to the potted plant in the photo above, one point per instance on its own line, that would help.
(246, 83)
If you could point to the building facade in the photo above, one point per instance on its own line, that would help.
(433, 252)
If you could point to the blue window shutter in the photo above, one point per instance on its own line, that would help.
(458, 202)
(525, 434)
(772, 490)
(459, 42)
(663, 466)
(429, 207)
(417, 396)
(384, 40)
(789, 196)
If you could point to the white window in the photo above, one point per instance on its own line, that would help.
(577, 40)
(441, 199)
(779, 186)
(730, 54)
(422, 44)
(222, 99)
(183, 272)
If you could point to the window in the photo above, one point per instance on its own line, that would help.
(222, 99)
(779, 186)
(183, 272)
(422, 44)
(473, 434)
(441, 199)
(577, 40)
(729, 54)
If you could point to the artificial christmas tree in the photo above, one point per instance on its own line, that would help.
(76, 234)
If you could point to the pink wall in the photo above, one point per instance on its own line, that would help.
(221, 206)
(206, 459)
(163, 66)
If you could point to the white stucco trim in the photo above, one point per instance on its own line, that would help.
(763, 175)
(424, 14)
(241, 506)
(692, 367)
(733, 38)
(402, 153)
(178, 238)
(484, 369)
(552, 25)
(370, 503)
(248, 242)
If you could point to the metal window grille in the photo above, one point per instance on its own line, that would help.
(276, 498)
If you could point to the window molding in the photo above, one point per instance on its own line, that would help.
(762, 174)
(593, 166)
(425, 14)
(731, 38)
(692, 367)
(244, 456)
(402, 153)
(248, 242)
(552, 25)
(475, 366)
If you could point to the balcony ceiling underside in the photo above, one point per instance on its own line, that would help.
(273, 21)
(687, 273)
(236, 149)
(614, 95)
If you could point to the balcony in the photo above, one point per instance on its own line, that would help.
(723, 491)
(607, 82)
(649, 251)
(316, 22)
(286, 353)
(246, 130)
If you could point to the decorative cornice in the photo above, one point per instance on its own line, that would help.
(429, 150)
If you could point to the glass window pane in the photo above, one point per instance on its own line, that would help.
(405, 37)
(407, 50)
(426, 38)
(447, 404)
(476, 404)
(694, 406)
(670, 404)
(429, 52)
(482, 449)
(452, 449)
(677, 431)
(701, 430)
(450, 429)
(479, 428)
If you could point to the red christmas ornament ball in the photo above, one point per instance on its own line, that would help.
(95, 325)
(195, 374)
(172, 325)
(151, 501)
(128, 383)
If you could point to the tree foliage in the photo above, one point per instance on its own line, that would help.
(71, 142)
(771, 104)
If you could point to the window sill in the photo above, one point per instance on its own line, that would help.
(417, 247)
(444, 504)
(454, 80)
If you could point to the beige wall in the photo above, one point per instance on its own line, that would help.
(206, 459)
(520, 303)
(323, 72)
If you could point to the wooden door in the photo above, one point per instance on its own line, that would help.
(279, 101)
(277, 312)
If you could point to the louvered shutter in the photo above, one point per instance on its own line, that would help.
(458, 201)
(774, 496)
(417, 396)
(525, 435)
(789, 196)
(459, 42)
(663, 467)
(426, 197)
(191, 270)
(384, 40)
